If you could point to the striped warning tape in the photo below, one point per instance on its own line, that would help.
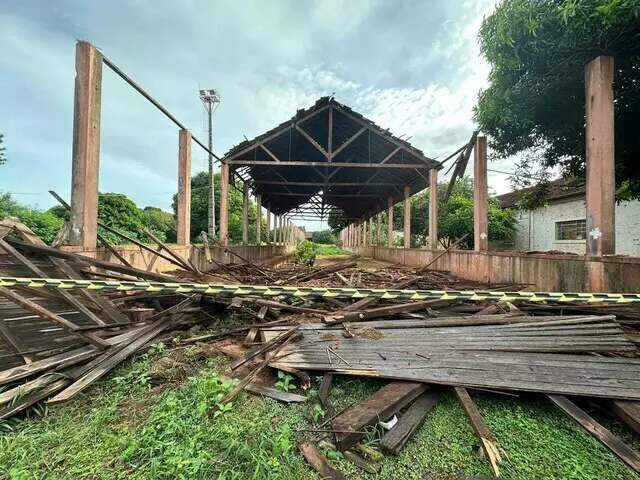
(273, 290)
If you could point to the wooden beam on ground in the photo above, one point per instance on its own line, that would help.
(380, 406)
(341, 317)
(629, 412)
(627, 454)
(319, 463)
(396, 438)
(487, 440)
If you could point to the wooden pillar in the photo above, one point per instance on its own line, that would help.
(407, 216)
(601, 181)
(364, 233)
(390, 222)
(86, 147)
(379, 228)
(224, 204)
(268, 212)
(480, 196)
(433, 209)
(371, 231)
(258, 220)
(245, 213)
(183, 213)
(277, 223)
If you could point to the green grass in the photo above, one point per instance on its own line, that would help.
(323, 249)
(127, 428)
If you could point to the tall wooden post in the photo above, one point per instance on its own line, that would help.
(407, 216)
(389, 222)
(183, 213)
(258, 219)
(480, 196)
(86, 147)
(268, 211)
(433, 209)
(379, 228)
(371, 231)
(245, 213)
(601, 181)
(364, 233)
(224, 204)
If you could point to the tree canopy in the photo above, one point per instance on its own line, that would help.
(324, 236)
(535, 103)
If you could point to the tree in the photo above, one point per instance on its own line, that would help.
(200, 205)
(3, 159)
(324, 236)
(535, 103)
(43, 223)
(161, 223)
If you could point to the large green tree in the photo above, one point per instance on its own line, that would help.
(200, 205)
(535, 103)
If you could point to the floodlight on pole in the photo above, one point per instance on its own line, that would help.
(210, 98)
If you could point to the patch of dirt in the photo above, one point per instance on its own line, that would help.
(370, 333)
(328, 336)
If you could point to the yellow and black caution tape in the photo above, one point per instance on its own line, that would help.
(274, 290)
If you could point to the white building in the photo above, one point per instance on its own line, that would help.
(561, 223)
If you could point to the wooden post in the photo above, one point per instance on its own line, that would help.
(480, 196)
(379, 228)
(601, 181)
(389, 222)
(183, 213)
(364, 233)
(245, 213)
(224, 204)
(371, 231)
(433, 209)
(258, 220)
(86, 147)
(268, 225)
(407, 216)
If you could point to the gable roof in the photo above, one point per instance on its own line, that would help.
(331, 157)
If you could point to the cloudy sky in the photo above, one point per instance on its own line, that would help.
(411, 66)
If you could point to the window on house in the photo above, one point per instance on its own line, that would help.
(571, 230)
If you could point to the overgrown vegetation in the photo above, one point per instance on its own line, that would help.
(535, 103)
(305, 253)
(44, 223)
(127, 427)
(324, 236)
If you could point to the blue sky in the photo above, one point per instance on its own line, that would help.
(411, 66)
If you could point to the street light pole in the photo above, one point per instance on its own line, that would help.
(210, 99)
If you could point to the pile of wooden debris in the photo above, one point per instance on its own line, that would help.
(55, 342)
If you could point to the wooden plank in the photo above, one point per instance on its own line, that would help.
(380, 406)
(340, 317)
(38, 272)
(487, 440)
(629, 412)
(114, 267)
(396, 438)
(319, 463)
(287, 397)
(627, 454)
(39, 310)
(263, 348)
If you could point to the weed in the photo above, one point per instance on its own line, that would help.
(284, 382)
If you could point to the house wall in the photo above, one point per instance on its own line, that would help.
(536, 228)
